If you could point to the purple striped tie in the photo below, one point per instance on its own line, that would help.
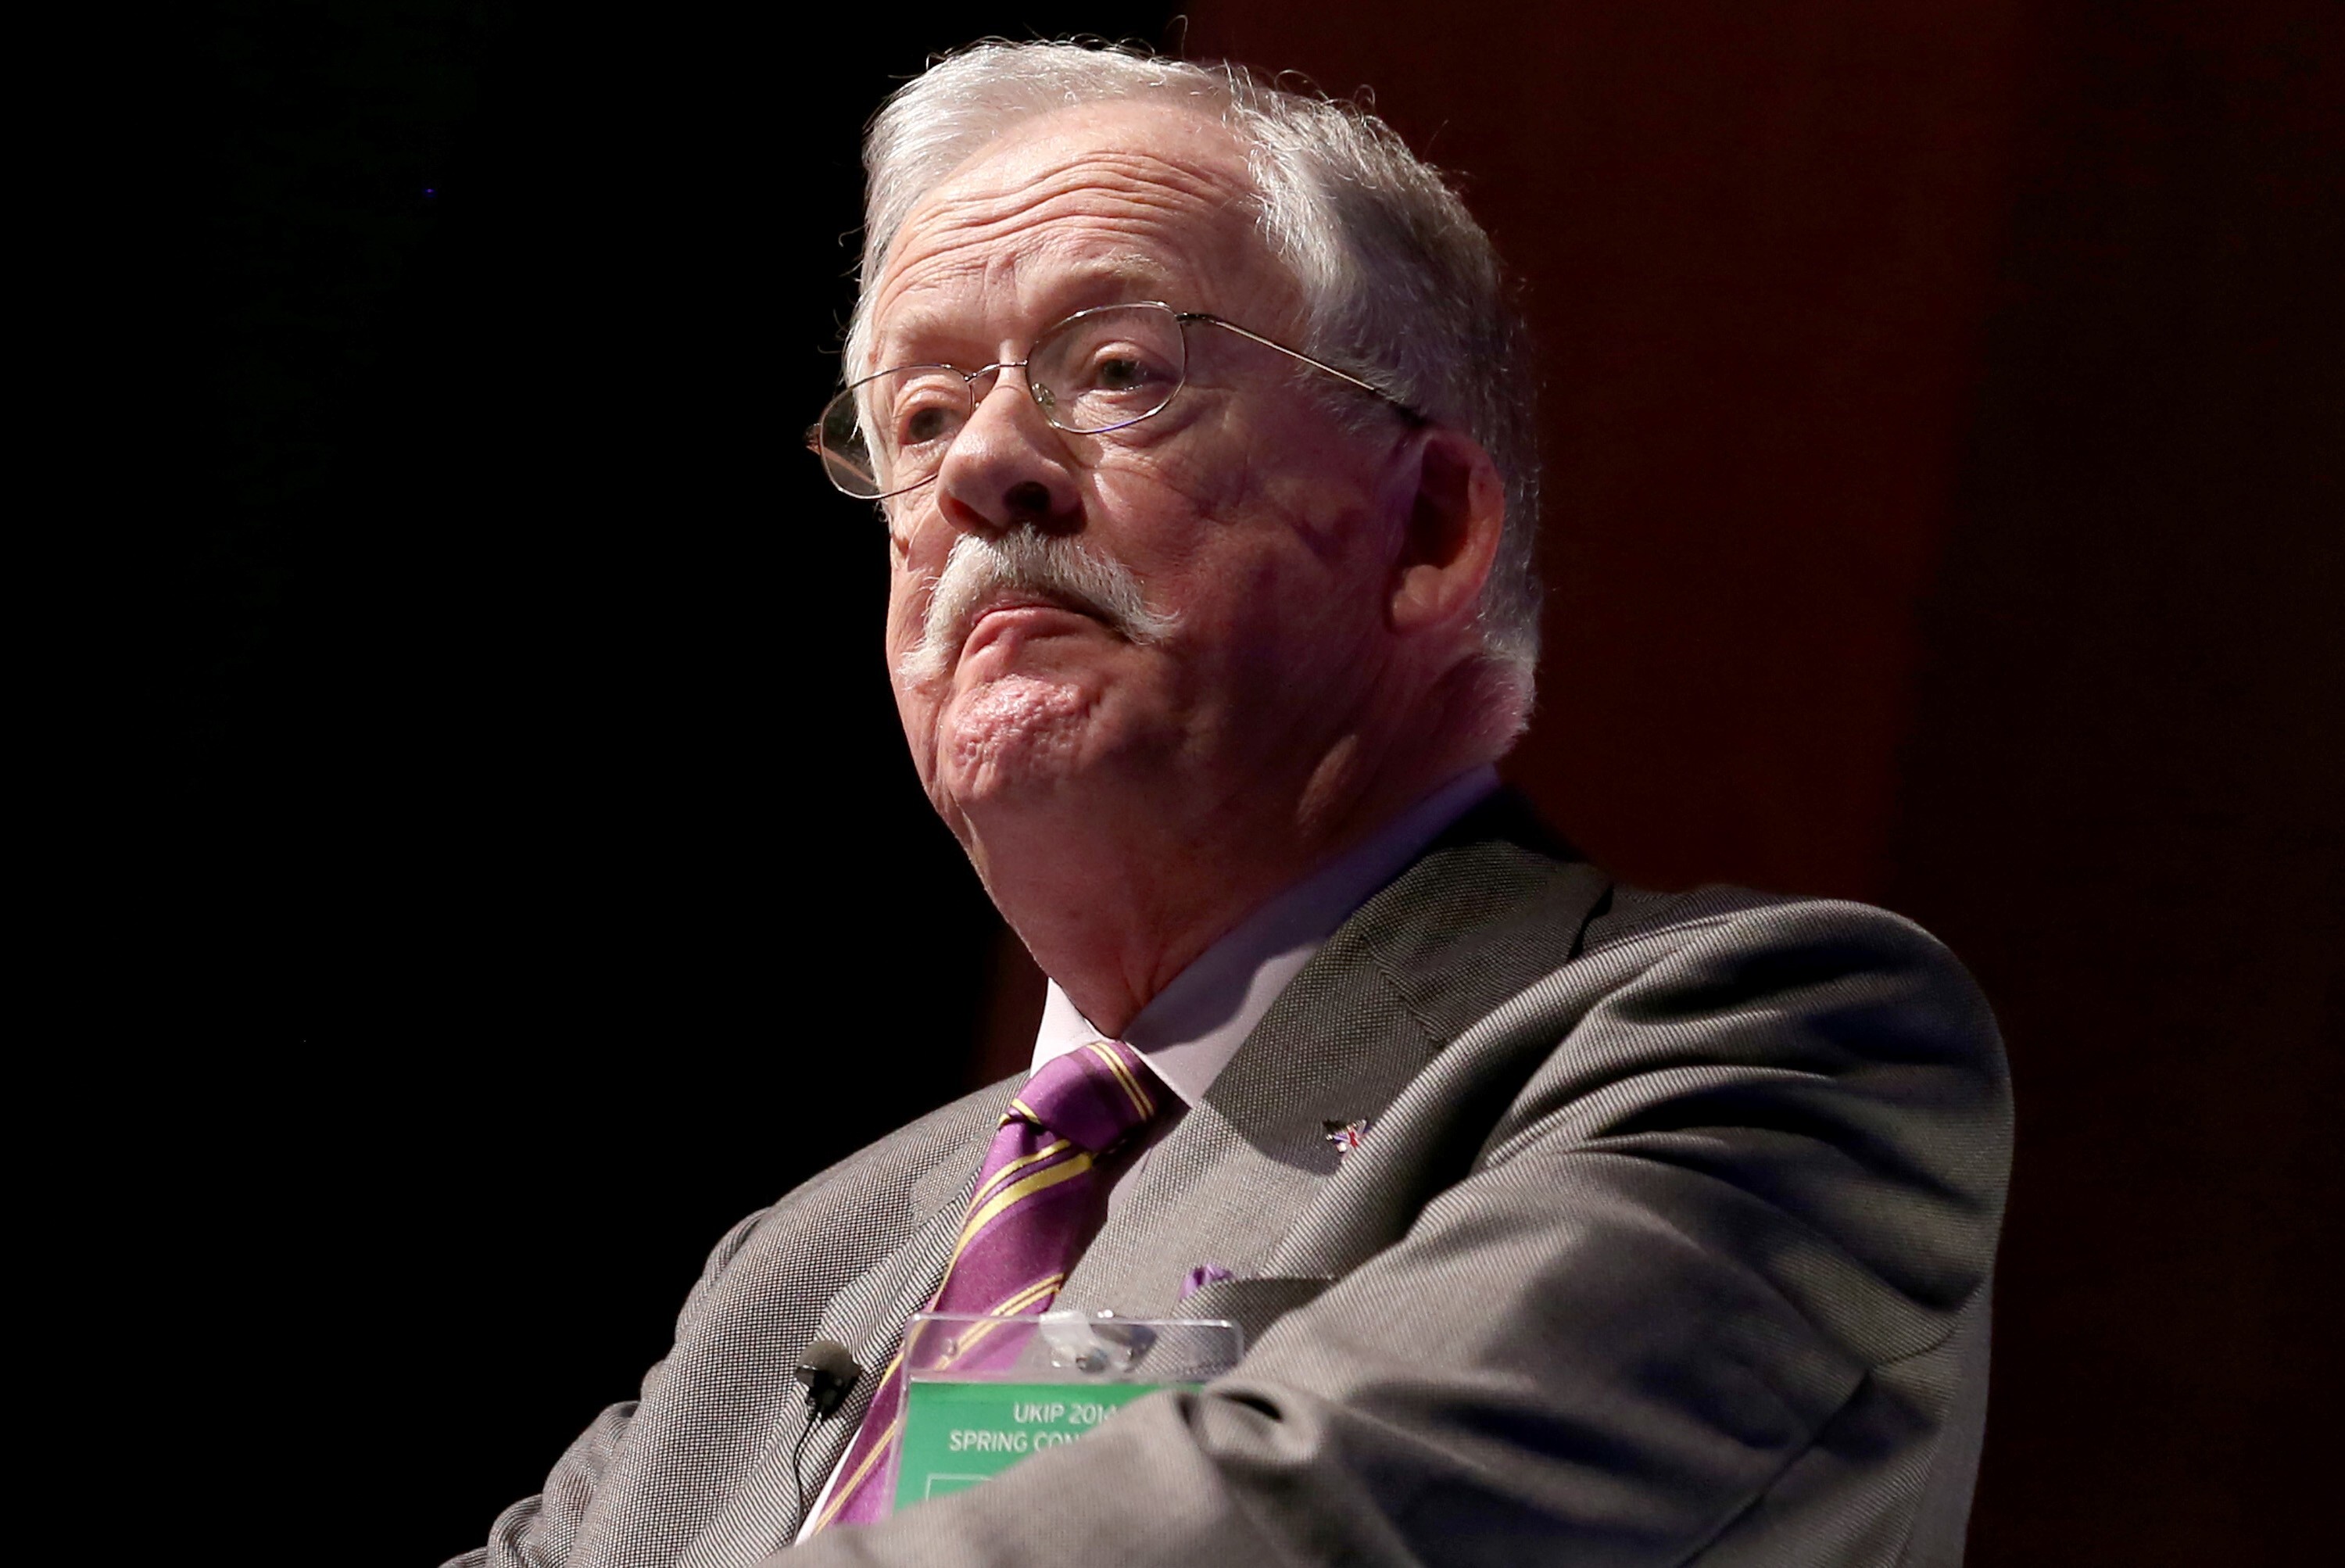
(1039, 1201)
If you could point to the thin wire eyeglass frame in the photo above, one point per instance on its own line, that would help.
(833, 463)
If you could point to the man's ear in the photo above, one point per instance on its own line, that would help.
(1454, 513)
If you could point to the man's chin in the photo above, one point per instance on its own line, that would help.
(1010, 737)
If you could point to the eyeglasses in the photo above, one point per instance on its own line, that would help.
(1101, 370)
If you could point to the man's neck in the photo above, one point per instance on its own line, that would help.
(1113, 906)
(1192, 1029)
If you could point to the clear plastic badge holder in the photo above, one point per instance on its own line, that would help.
(982, 1393)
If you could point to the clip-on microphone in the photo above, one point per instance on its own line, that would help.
(830, 1372)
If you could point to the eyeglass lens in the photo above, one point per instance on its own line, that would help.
(1095, 372)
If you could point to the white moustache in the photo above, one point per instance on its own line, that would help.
(981, 571)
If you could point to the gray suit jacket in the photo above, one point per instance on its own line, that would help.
(1670, 1242)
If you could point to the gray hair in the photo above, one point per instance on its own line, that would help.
(1401, 286)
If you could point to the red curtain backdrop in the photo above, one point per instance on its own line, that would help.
(1941, 422)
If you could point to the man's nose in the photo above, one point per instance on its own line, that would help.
(1009, 467)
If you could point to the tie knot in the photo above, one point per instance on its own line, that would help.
(1094, 1096)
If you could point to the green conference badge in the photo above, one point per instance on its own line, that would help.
(957, 1433)
(982, 1392)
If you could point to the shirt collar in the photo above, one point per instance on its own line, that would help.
(1193, 1026)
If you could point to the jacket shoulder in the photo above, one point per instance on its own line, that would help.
(1778, 936)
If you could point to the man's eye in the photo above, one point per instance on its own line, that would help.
(1121, 368)
(1119, 375)
(928, 422)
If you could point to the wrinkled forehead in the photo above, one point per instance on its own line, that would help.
(1083, 207)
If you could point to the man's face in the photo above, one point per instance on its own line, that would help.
(1258, 530)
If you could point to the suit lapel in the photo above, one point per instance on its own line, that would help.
(866, 1310)
(1487, 910)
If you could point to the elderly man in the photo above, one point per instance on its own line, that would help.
(1566, 1222)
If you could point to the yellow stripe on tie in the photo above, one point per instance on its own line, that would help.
(1014, 1166)
(1073, 1165)
(1140, 1102)
(955, 1261)
(1034, 1295)
(978, 1197)
(1046, 1285)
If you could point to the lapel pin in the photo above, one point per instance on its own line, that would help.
(1345, 1136)
(1204, 1274)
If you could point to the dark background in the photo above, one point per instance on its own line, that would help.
(1943, 414)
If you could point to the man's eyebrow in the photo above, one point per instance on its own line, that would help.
(1114, 279)
(1135, 266)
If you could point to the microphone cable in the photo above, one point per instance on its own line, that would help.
(830, 1373)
